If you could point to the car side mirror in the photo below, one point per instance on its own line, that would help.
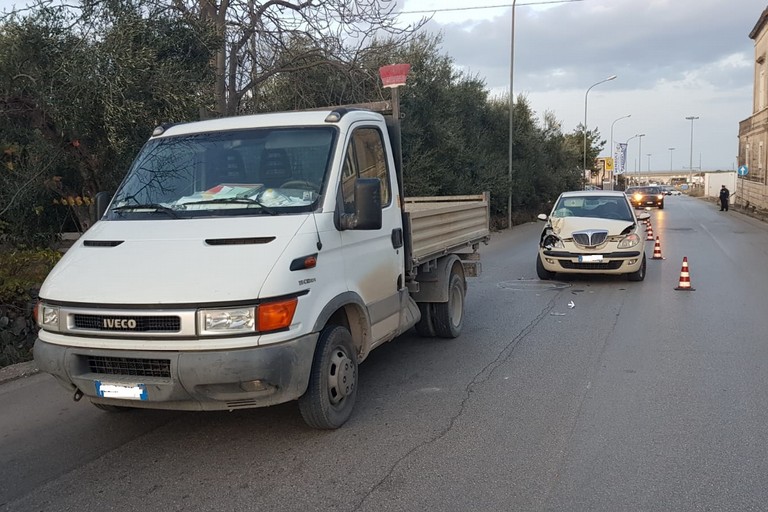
(102, 200)
(542, 216)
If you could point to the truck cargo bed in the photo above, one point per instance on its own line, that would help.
(445, 224)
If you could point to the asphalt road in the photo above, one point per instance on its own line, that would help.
(640, 397)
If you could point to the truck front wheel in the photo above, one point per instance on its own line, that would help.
(332, 389)
(448, 317)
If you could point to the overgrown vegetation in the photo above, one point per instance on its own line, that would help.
(82, 88)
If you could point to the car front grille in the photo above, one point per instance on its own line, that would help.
(611, 265)
(590, 238)
(129, 366)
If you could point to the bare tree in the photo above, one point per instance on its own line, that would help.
(262, 39)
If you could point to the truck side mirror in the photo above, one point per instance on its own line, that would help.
(367, 206)
(102, 200)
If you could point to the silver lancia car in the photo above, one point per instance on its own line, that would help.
(592, 232)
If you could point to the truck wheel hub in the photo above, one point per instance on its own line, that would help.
(342, 377)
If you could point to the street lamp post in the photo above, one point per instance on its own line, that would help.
(511, 115)
(640, 154)
(670, 158)
(649, 162)
(690, 164)
(586, 95)
(633, 137)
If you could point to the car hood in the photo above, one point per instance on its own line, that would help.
(564, 226)
(172, 261)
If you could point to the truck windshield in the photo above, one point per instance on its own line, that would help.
(261, 171)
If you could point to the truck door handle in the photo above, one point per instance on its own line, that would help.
(397, 238)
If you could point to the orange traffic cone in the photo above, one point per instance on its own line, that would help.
(649, 233)
(657, 250)
(685, 278)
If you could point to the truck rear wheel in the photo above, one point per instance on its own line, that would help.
(426, 326)
(332, 389)
(448, 317)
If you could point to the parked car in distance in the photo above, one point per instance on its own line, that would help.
(641, 197)
(592, 232)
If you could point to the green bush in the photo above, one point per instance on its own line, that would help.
(21, 274)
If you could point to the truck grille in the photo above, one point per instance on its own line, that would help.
(129, 366)
(128, 323)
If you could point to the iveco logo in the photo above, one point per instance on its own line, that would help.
(119, 323)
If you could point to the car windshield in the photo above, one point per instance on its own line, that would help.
(647, 190)
(600, 207)
(251, 172)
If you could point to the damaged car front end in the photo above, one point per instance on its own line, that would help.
(592, 233)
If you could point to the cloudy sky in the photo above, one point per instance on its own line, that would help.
(673, 59)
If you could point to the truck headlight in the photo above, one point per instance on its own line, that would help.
(266, 317)
(629, 241)
(47, 317)
(226, 321)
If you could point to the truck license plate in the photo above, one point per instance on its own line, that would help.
(124, 391)
(590, 258)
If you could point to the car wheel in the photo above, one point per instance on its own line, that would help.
(543, 273)
(638, 275)
(661, 206)
(448, 317)
(332, 390)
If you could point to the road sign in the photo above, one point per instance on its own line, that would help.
(609, 163)
(743, 170)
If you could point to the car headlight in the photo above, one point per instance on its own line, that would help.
(637, 197)
(629, 241)
(660, 196)
(266, 317)
(47, 317)
(552, 241)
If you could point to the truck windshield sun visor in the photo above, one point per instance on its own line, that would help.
(231, 173)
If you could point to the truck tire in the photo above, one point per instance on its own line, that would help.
(332, 390)
(448, 317)
(426, 327)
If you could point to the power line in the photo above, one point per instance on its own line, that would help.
(427, 11)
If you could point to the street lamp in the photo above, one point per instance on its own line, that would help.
(649, 162)
(690, 165)
(511, 115)
(670, 158)
(633, 137)
(640, 154)
(586, 94)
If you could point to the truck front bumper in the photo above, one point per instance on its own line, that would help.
(183, 380)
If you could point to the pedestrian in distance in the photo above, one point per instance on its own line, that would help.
(725, 194)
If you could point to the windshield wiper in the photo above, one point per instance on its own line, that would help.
(149, 206)
(237, 200)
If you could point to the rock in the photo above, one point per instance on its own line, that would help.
(4, 321)
(19, 326)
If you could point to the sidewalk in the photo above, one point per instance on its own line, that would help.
(17, 371)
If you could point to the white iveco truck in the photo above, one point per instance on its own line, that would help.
(250, 261)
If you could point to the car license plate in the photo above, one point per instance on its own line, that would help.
(590, 258)
(124, 391)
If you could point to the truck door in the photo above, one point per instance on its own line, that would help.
(373, 258)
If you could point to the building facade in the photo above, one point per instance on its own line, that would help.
(751, 191)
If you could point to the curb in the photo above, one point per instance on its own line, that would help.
(17, 371)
